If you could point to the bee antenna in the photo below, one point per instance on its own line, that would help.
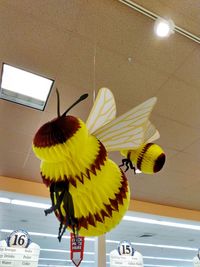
(58, 102)
(75, 103)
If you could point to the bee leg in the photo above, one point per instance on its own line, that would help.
(54, 190)
(123, 162)
(59, 199)
(62, 230)
(51, 209)
(69, 210)
(61, 220)
(131, 166)
(128, 164)
(75, 229)
(62, 226)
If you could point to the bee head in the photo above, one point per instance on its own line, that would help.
(60, 129)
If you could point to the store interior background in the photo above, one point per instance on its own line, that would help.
(59, 40)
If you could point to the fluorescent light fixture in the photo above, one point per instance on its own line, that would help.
(155, 265)
(155, 245)
(24, 203)
(49, 265)
(161, 258)
(163, 223)
(35, 234)
(88, 261)
(55, 250)
(5, 200)
(164, 28)
(24, 87)
(30, 204)
(107, 241)
(50, 259)
(164, 246)
(53, 265)
(63, 251)
(168, 259)
(112, 241)
(44, 234)
(125, 218)
(53, 235)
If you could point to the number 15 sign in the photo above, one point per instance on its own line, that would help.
(125, 256)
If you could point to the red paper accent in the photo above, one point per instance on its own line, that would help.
(76, 248)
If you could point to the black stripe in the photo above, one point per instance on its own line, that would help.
(140, 158)
(158, 164)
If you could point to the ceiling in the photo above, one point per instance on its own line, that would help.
(88, 44)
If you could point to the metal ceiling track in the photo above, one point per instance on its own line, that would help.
(154, 16)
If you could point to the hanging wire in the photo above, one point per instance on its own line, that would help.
(94, 62)
(94, 73)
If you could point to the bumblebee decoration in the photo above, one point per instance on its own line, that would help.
(89, 192)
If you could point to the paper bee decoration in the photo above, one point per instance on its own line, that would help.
(89, 192)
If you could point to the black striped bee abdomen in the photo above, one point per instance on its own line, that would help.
(149, 158)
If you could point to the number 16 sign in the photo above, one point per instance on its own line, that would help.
(17, 250)
(18, 238)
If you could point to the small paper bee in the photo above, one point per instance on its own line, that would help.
(89, 192)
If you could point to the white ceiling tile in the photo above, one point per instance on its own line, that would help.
(174, 135)
(185, 73)
(194, 150)
(179, 101)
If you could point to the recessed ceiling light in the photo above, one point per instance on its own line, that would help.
(24, 87)
(164, 28)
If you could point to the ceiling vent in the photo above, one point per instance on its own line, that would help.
(146, 235)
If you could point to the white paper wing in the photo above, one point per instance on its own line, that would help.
(103, 110)
(151, 133)
(128, 130)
